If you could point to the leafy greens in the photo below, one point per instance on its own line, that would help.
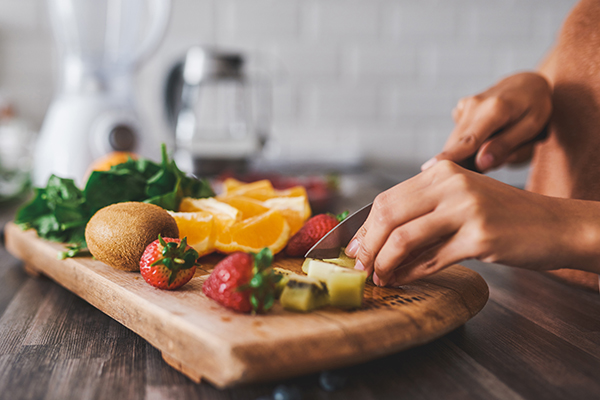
(60, 211)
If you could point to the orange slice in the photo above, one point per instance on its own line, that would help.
(105, 162)
(253, 234)
(259, 190)
(248, 206)
(114, 158)
(197, 226)
(225, 215)
(295, 210)
(230, 184)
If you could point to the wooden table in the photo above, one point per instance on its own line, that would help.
(535, 339)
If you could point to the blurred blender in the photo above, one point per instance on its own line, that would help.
(101, 45)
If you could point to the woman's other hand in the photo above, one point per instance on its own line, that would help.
(499, 125)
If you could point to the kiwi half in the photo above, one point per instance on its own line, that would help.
(118, 234)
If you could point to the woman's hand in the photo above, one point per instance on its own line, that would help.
(448, 214)
(499, 125)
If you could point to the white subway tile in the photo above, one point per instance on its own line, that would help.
(315, 59)
(192, 21)
(262, 19)
(424, 20)
(389, 61)
(337, 102)
(488, 21)
(342, 19)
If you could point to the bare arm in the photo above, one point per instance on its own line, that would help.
(447, 214)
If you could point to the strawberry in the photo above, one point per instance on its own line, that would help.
(168, 263)
(243, 282)
(311, 232)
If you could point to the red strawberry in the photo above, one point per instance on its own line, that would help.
(168, 263)
(311, 232)
(243, 282)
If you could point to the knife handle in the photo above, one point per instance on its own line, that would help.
(469, 162)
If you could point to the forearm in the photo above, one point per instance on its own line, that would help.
(581, 236)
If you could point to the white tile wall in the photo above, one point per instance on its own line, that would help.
(379, 75)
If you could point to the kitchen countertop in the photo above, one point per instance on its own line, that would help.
(535, 338)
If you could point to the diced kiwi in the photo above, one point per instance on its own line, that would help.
(343, 260)
(303, 293)
(346, 288)
(305, 265)
(285, 274)
(345, 285)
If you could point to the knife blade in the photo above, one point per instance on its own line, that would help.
(329, 246)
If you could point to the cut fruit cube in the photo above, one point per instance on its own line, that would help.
(305, 265)
(285, 277)
(346, 288)
(343, 260)
(345, 285)
(303, 293)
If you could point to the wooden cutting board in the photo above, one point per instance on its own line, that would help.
(206, 341)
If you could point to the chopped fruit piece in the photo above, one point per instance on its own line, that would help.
(320, 270)
(297, 191)
(243, 282)
(312, 231)
(285, 275)
(345, 285)
(259, 190)
(225, 215)
(105, 162)
(343, 260)
(303, 293)
(250, 235)
(305, 264)
(249, 207)
(168, 263)
(198, 228)
(295, 210)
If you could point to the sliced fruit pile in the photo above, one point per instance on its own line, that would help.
(244, 217)
(332, 282)
(247, 282)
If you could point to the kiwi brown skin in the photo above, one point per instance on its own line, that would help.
(118, 234)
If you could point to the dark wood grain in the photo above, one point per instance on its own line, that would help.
(536, 338)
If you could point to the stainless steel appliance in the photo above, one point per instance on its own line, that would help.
(219, 112)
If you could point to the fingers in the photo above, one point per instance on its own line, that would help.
(521, 155)
(430, 261)
(499, 148)
(413, 237)
(384, 217)
(478, 120)
(392, 208)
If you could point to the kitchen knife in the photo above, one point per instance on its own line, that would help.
(329, 246)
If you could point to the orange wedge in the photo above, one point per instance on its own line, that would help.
(248, 206)
(253, 234)
(105, 162)
(230, 184)
(197, 226)
(225, 215)
(295, 210)
(259, 190)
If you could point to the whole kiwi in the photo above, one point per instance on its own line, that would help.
(118, 234)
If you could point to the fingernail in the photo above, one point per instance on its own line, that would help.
(376, 279)
(429, 164)
(352, 248)
(359, 266)
(486, 161)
